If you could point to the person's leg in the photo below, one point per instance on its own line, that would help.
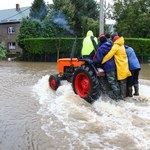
(123, 87)
(136, 82)
(112, 80)
(130, 84)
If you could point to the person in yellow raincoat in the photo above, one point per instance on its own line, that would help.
(121, 60)
(89, 45)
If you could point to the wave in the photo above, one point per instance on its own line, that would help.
(106, 124)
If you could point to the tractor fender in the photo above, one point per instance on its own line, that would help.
(98, 71)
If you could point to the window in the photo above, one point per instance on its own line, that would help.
(12, 45)
(11, 30)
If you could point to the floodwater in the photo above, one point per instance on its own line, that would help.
(33, 117)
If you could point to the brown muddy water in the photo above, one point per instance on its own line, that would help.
(33, 117)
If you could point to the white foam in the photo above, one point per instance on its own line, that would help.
(98, 123)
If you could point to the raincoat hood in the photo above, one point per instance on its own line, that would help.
(119, 41)
(88, 47)
(89, 33)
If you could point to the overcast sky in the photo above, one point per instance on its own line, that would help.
(7, 4)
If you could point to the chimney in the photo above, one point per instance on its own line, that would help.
(17, 7)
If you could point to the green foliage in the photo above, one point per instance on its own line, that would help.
(60, 22)
(141, 46)
(65, 18)
(84, 9)
(38, 10)
(59, 46)
(90, 24)
(34, 29)
(28, 29)
(66, 7)
(78, 12)
(2, 51)
(39, 45)
(132, 17)
(50, 45)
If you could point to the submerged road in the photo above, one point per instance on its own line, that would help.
(33, 117)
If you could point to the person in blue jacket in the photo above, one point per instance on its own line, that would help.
(134, 67)
(109, 67)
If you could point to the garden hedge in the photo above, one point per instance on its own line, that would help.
(63, 47)
(141, 47)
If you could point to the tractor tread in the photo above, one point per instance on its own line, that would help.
(88, 71)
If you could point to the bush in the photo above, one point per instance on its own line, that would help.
(2, 51)
(62, 47)
(48, 46)
(141, 48)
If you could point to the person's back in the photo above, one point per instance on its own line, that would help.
(121, 60)
(132, 58)
(120, 57)
(103, 49)
(109, 66)
(134, 67)
(88, 49)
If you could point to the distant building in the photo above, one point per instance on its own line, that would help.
(9, 26)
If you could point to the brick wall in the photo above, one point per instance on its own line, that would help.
(8, 35)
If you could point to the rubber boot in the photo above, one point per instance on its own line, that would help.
(129, 92)
(117, 94)
(123, 88)
(136, 89)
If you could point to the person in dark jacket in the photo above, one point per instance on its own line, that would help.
(134, 67)
(107, 37)
(109, 67)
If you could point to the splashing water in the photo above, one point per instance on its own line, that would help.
(105, 124)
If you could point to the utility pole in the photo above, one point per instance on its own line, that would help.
(101, 19)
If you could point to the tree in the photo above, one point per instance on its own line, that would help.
(2, 51)
(29, 29)
(66, 7)
(62, 17)
(85, 9)
(38, 10)
(132, 17)
(78, 13)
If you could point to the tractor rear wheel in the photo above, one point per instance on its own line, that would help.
(54, 82)
(86, 84)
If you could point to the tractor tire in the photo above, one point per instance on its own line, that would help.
(54, 82)
(86, 84)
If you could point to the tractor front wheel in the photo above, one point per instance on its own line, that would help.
(85, 83)
(54, 82)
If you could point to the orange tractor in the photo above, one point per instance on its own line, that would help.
(87, 80)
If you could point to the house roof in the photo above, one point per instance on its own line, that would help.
(13, 15)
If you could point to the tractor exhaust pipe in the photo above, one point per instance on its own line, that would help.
(73, 50)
